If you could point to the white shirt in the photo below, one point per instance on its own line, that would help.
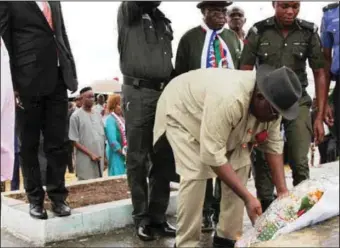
(242, 44)
(41, 6)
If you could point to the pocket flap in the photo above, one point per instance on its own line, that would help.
(299, 54)
(266, 53)
(25, 60)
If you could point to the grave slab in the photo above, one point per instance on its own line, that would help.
(84, 221)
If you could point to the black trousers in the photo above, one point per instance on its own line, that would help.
(150, 201)
(49, 115)
(15, 183)
(70, 148)
(336, 102)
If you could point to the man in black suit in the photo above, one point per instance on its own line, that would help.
(42, 69)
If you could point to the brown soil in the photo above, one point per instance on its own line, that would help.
(90, 194)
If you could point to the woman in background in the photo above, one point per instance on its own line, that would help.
(7, 118)
(116, 139)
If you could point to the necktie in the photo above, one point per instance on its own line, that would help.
(47, 13)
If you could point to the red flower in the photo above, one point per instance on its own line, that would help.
(301, 212)
(261, 137)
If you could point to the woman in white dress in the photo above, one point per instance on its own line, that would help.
(7, 117)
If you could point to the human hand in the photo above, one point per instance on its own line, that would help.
(319, 131)
(106, 163)
(282, 193)
(95, 157)
(328, 117)
(254, 209)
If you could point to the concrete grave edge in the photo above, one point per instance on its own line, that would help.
(84, 221)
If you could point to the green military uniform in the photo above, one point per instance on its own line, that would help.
(265, 44)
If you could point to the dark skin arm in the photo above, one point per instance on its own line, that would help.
(84, 149)
(230, 178)
(246, 67)
(276, 165)
(328, 116)
(321, 97)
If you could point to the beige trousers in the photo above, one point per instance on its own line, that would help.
(189, 211)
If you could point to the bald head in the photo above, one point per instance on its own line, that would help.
(236, 19)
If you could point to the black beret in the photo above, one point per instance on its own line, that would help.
(214, 3)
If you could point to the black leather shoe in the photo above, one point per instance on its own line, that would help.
(144, 233)
(61, 209)
(37, 211)
(223, 243)
(164, 229)
(207, 223)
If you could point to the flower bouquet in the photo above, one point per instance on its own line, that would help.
(283, 214)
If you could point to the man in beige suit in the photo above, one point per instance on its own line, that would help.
(213, 118)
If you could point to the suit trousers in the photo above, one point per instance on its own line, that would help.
(190, 200)
(150, 201)
(48, 114)
(15, 183)
(336, 102)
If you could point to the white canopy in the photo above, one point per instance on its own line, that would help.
(106, 86)
(101, 87)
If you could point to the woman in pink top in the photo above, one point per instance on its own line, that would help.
(7, 117)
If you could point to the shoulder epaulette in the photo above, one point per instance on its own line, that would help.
(330, 6)
(308, 25)
(260, 26)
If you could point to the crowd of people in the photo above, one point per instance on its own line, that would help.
(218, 112)
(98, 134)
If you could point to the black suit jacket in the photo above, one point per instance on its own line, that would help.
(34, 48)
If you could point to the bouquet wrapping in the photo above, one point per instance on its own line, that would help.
(308, 203)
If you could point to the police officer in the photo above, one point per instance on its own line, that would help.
(330, 41)
(144, 44)
(284, 40)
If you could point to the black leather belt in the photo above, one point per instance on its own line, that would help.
(141, 83)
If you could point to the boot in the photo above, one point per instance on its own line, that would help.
(223, 243)
(265, 204)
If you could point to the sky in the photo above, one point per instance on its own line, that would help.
(92, 31)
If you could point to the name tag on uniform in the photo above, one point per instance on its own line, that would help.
(335, 20)
(264, 44)
(147, 17)
(167, 28)
(300, 44)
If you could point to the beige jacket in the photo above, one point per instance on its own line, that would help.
(211, 106)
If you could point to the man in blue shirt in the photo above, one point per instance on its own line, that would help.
(330, 41)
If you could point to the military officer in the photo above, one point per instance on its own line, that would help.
(285, 40)
(144, 45)
(330, 42)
